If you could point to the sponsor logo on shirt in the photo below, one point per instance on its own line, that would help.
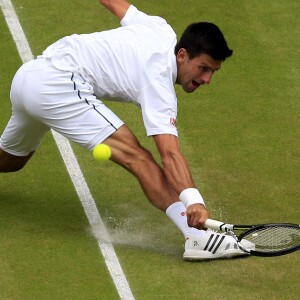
(173, 121)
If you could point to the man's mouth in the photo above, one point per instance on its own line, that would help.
(195, 83)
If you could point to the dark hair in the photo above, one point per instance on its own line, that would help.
(204, 37)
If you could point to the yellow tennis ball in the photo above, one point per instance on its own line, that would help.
(102, 152)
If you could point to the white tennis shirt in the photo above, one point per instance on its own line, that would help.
(133, 63)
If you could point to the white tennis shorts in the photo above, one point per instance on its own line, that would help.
(42, 98)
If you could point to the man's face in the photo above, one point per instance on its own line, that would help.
(192, 73)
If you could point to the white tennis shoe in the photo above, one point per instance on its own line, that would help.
(213, 245)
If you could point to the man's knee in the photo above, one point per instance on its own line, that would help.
(12, 163)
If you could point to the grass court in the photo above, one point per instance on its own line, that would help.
(240, 135)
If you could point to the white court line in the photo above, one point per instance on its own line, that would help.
(74, 170)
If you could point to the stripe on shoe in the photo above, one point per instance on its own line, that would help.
(212, 242)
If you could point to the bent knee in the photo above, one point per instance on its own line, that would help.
(135, 160)
(142, 160)
(141, 154)
(12, 163)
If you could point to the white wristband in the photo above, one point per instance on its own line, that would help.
(191, 196)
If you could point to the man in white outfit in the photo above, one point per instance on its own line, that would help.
(138, 62)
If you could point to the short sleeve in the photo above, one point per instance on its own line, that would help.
(159, 109)
(134, 16)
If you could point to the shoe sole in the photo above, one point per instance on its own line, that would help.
(205, 255)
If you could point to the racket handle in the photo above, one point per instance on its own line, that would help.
(217, 225)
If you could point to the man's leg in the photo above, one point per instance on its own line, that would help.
(12, 163)
(128, 153)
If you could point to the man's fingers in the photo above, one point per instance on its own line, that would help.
(197, 215)
(194, 221)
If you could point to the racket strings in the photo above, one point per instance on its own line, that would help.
(274, 239)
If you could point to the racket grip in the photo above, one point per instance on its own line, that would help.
(215, 225)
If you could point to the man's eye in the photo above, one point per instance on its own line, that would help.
(204, 69)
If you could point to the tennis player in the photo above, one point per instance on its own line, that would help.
(138, 62)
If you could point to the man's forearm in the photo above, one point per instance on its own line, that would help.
(174, 164)
(177, 172)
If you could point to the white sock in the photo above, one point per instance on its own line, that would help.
(176, 212)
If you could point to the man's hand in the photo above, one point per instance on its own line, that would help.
(197, 214)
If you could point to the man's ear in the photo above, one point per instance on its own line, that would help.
(182, 56)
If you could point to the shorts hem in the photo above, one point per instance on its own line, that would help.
(16, 153)
(103, 136)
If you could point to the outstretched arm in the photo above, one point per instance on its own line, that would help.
(117, 7)
(178, 174)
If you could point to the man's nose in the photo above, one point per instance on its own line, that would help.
(206, 78)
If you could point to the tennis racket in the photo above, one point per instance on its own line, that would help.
(269, 239)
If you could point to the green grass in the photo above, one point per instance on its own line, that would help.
(240, 135)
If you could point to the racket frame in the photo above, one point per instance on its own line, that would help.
(229, 228)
